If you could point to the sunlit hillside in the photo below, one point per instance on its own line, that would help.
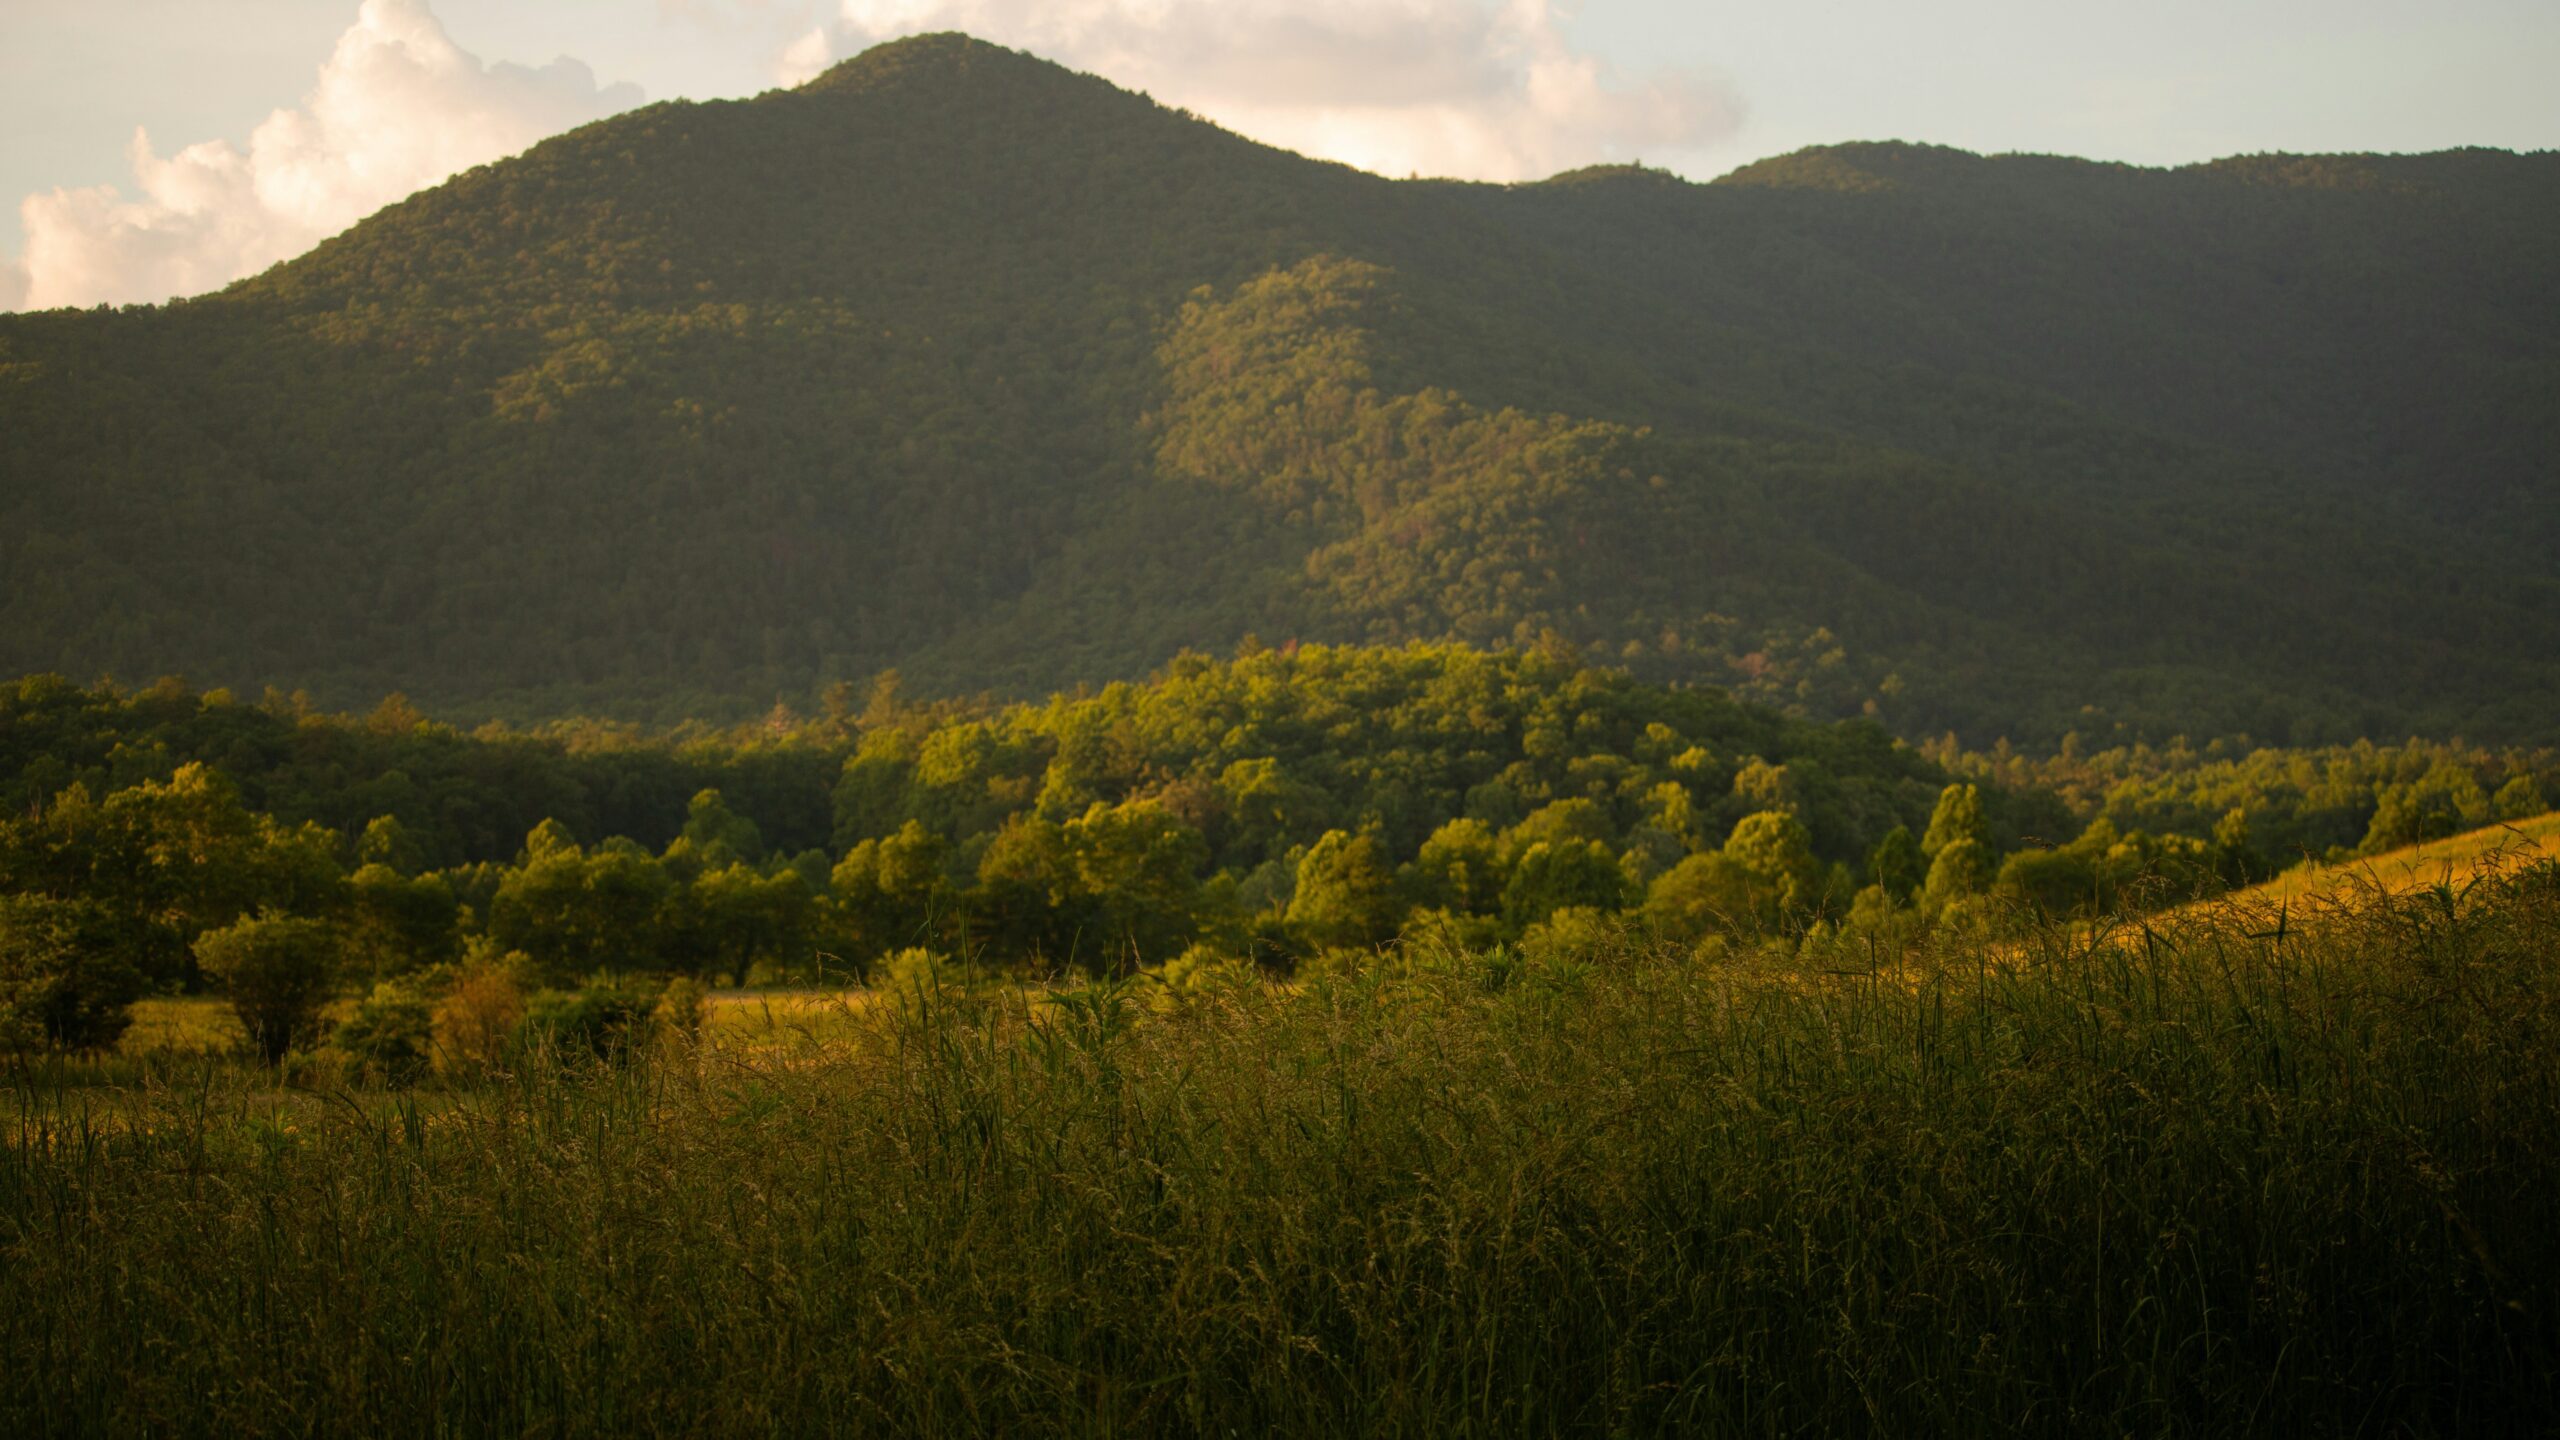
(958, 362)
(2456, 861)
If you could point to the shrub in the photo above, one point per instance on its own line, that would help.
(278, 971)
(391, 1035)
(682, 1007)
(476, 1022)
(600, 1020)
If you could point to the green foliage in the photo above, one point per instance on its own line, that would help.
(682, 1008)
(1898, 864)
(1703, 895)
(396, 925)
(390, 1037)
(1958, 817)
(66, 981)
(1345, 897)
(573, 912)
(1275, 804)
(1962, 868)
(277, 971)
(606, 1018)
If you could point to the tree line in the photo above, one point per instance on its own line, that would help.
(1258, 813)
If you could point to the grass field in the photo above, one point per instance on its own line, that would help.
(2206, 1181)
(2455, 861)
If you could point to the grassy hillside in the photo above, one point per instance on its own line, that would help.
(958, 362)
(2458, 861)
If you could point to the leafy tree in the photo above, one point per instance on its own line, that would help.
(65, 982)
(573, 912)
(1561, 874)
(1776, 850)
(1139, 868)
(1457, 869)
(397, 925)
(1897, 864)
(733, 919)
(387, 842)
(1703, 895)
(889, 893)
(1962, 868)
(277, 971)
(2519, 799)
(1957, 818)
(391, 1034)
(1346, 893)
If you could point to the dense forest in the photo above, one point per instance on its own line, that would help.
(1265, 812)
(956, 362)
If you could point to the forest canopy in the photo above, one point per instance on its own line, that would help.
(1270, 810)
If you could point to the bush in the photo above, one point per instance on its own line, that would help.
(476, 1022)
(600, 1020)
(682, 1007)
(391, 1035)
(64, 983)
(278, 971)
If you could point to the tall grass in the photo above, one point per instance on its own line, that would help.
(2220, 1175)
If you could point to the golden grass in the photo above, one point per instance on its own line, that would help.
(2453, 860)
(182, 1025)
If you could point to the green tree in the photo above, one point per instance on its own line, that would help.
(65, 980)
(388, 842)
(1897, 864)
(1346, 895)
(576, 913)
(391, 1034)
(1957, 818)
(1776, 850)
(1962, 868)
(890, 893)
(1705, 894)
(1457, 869)
(396, 925)
(735, 918)
(1138, 868)
(2519, 799)
(278, 971)
(1561, 874)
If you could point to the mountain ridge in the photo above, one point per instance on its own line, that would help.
(707, 402)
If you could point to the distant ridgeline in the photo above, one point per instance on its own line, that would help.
(1274, 807)
(957, 362)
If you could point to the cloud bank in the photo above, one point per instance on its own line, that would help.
(395, 108)
(1461, 88)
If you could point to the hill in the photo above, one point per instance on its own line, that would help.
(957, 362)
(2455, 861)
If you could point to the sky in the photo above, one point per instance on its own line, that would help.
(154, 148)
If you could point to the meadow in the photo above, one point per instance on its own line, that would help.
(2457, 859)
(2199, 1175)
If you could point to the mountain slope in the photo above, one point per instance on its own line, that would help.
(955, 361)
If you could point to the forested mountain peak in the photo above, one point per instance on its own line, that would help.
(944, 59)
(958, 362)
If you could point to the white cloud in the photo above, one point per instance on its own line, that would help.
(1442, 87)
(13, 284)
(395, 108)
(804, 59)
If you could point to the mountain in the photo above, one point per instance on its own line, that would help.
(957, 362)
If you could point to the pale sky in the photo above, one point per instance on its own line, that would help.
(273, 123)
